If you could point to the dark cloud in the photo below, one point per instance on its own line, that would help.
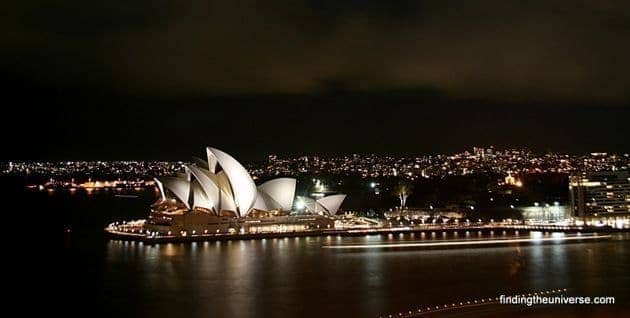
(157, 79)
(499, 50)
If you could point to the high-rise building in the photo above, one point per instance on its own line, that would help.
(600, 193)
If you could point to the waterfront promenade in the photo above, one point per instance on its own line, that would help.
(451, 232)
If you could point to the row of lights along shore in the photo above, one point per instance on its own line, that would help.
(468, 303)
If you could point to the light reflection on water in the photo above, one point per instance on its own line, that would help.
(296, 277)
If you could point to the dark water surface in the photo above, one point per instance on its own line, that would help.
(296, 277)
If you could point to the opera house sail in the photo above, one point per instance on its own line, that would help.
(217, 195)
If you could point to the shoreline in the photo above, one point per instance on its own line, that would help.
(490, 231)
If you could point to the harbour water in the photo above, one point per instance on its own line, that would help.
(296, 277)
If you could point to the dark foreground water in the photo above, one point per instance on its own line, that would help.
(298, 278)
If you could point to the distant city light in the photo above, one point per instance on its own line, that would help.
(512, 163)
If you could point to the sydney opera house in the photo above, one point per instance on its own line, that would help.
(218, 195)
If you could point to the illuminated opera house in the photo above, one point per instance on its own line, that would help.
(217, 196)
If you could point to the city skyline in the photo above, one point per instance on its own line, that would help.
(478, 160)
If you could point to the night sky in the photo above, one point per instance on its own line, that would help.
(160, 80)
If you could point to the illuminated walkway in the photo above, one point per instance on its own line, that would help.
(137, 232)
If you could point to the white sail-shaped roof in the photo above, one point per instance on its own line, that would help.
(232, 189)
(160, 187)
(308, 203)
(200, 163)
(332, 203)
(179, 187)
(200, 199)
(281, 191)
(320, 209)
(212, 160)
(241, 183)
(227, 202)
(227, 195)
(224, 183)
(260, 204)
(208, 185)
(270, 203)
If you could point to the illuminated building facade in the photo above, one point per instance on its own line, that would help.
(217, 195)
(600, 193)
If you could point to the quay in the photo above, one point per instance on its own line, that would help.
(487, 231)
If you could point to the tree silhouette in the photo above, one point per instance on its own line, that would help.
(402, 191)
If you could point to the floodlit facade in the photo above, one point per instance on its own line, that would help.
(277, 194)
(601, 193)
(327, 205)
(218, 195)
